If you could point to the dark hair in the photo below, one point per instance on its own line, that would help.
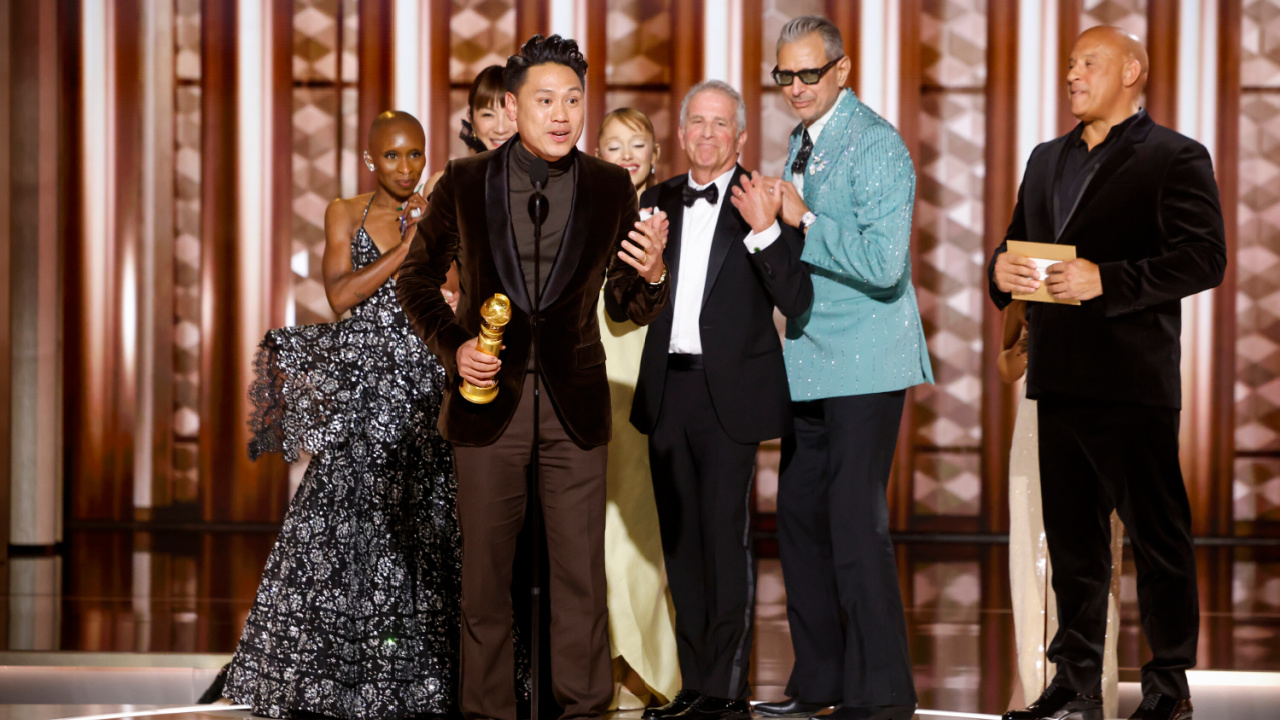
(541, 51)
(487, 89)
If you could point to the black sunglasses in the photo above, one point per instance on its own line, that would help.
(811, 76)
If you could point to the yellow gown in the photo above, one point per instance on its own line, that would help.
(641, 618)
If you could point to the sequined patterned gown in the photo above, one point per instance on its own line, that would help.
(357, 613)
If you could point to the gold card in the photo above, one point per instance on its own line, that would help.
(1043, 255)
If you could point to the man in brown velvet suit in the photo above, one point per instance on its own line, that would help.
(478, 216)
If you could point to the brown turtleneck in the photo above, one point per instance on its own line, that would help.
(559, 193)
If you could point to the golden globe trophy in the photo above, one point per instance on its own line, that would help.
(494, 316)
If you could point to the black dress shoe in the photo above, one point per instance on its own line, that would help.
(881, 712)
(714, 708)
(789, 708)
(683, 700)
(1059, 703)
(1162, 707)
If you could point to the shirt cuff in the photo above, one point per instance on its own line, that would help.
(756, 242)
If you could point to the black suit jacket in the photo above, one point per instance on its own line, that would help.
(1150, 218)
(741, 350)
(469, 218)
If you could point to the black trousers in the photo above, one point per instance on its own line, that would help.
(843, 602)
(702, 485)
(1095, 457)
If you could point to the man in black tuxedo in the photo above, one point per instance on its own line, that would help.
(712, 386)
(1139, 203)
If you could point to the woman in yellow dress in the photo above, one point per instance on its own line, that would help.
(1035, 608)
(641, 619)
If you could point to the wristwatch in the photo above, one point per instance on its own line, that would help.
(661, 279)
(807, 219)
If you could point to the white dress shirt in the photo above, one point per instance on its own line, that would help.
(697, 229)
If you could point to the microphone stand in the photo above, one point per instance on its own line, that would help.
(539, 208)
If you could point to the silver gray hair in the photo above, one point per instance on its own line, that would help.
(718, 86)
(806, 25)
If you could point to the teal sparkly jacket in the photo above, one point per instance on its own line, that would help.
(863, 332)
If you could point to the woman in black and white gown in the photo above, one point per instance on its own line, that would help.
(357, 613)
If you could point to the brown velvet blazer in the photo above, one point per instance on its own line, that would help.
(469, 219)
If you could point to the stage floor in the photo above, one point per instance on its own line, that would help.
(1217, 696)
(135, 622)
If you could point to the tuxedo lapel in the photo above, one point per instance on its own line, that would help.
(502, 241)
(831, 142)
(1096, 179)
(1056, 164)
(671, 201)
(793, 148)
(728, 231)
(577, 233)
(1115, 159)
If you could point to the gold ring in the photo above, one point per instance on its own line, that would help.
(645, 259)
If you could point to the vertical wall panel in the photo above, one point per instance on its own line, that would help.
(1227, 168)
(6, 234)
(232, 300)
(187, 251)
(373, 70)
(1128, 15)
(219, 297)
(951, 283)
(1161, 37)
(1000, 193)
(480, 34)
(1069, 26)
(321, 56)
(907, 81)
(754, 51)
(153, 460)
(125, 236)
(1257, 268)
(686, 62)
(638, 70)
(531, 19)
(101, 264)
(596, 37)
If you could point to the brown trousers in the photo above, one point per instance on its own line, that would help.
(492, 490)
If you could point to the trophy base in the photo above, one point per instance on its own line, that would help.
(478, 395)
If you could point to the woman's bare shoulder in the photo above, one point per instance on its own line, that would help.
(343, 213)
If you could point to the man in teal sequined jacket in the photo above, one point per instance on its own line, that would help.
(849, 359)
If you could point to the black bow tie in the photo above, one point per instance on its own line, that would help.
(710, 193)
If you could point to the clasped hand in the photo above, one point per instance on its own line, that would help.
(764, 198)
(759, 199)
(1077, 279)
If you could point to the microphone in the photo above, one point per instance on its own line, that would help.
(538, 173)
(538, 205)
